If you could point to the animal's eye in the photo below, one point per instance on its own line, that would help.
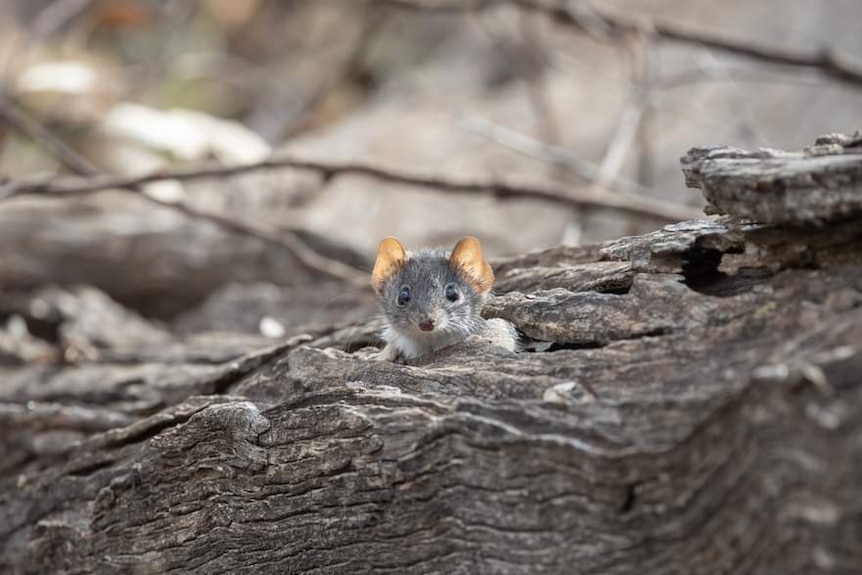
(403, 296)
(451, 293)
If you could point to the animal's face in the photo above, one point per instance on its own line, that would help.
(428, 296)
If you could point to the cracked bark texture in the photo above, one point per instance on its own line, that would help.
(691, 403)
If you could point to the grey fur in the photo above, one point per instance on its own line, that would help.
(427, 272)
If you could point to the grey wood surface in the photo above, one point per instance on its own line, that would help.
(691, 402)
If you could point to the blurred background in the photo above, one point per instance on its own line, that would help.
(590, 100)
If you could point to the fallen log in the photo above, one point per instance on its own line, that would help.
(692, 403)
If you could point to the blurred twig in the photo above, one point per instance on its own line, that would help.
(747, 116)
(162, 54)
(621, 142)
(281, 238)
(537, 91)
(617, 26)
(50, 20)
(19, 120)
(633, 113)
(349, 66)
(55, 16)
(587, 170)
(528, 60)
(569, 197)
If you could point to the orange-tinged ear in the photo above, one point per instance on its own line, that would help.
(467, 256)
(390, 257)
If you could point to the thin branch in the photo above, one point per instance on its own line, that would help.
(621, 142)
(522, 144)
(11, 113)
(346, 69)
(629, 122)
(23, 123)
(633, 113)
(747, 123)
(631, 194)
(571, 197)
(282, 239)
(644, 69)
(825, 61)
(528, 60)
(51, 19)
(55, 16)
(537, 90)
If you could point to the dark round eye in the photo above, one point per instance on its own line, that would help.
(451, 293)
(403, 296)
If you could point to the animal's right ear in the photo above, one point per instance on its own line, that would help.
(390, 257)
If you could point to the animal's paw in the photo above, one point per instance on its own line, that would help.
(388, 353)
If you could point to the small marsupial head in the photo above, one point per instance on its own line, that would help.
(430, 292)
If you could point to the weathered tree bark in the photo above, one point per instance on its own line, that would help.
(692, 404)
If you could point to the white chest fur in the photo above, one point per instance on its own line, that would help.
(413, 345)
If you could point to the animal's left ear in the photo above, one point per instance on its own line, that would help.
(467, 256)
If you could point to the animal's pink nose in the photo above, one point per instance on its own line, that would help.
(426, 324)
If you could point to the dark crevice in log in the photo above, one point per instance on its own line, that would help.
(656, 332)
(700, 267)
(621, 289)
(702, 273)
(631, 499)
(554, 346)
(44, 329)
